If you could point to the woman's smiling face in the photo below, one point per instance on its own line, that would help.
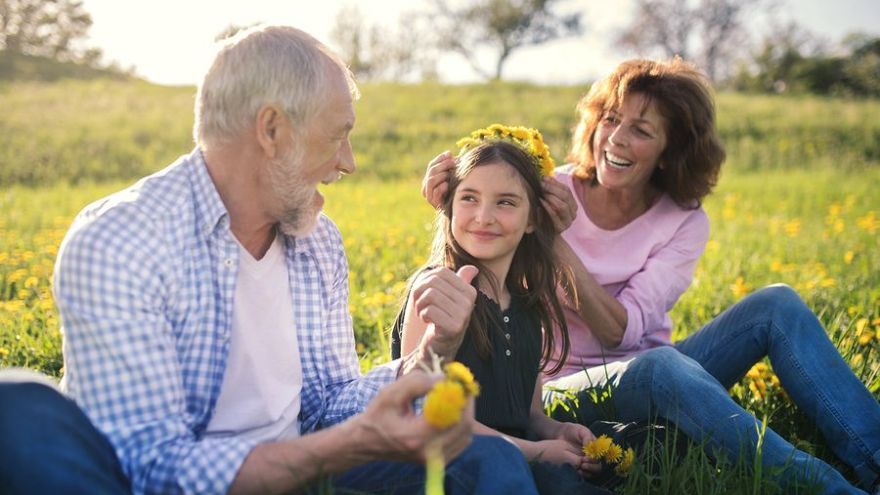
(628, 143)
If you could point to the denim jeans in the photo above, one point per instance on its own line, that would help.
(47, 445)
(489, 465)
(687, 385)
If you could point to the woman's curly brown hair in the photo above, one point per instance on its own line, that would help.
(683, 96)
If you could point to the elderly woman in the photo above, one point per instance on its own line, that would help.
(645, 153)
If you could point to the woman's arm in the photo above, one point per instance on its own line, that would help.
(621, 320)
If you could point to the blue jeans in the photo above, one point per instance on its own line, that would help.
(47, 445)
(489, 465)
(687, 385)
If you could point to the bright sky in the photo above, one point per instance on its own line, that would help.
(167, 41)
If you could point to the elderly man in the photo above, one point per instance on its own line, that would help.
(205, 314)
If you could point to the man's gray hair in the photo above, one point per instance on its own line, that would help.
(278, 65)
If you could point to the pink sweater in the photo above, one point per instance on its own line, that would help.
(646, 265)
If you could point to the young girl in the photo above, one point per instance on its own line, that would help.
(492, 218)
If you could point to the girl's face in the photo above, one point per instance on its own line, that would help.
(627, 145)
(490, 214)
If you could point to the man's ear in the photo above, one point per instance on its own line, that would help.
(270, 127)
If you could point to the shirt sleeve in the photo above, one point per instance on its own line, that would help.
(120, 360)
(347, 392)
(653, 291)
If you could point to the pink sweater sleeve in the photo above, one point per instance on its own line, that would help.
(667, 273)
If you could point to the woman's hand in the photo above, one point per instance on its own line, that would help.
(559, 203)
(436, 180)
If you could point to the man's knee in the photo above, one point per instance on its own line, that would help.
(48, 445)
(24, 407)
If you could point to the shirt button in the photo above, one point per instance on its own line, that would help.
(506, 319)
(507, 352)
(507, 336)
(228, 263)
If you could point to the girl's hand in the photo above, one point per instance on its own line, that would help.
(559, 203)
(436, 180)
(444, 300)
(578, 435)
(557, 452)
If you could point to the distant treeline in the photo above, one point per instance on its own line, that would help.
(785, 65)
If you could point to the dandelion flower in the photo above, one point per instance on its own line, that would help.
(626, 462)
(597, 448)
(740, 288)
(444, 404)
(614, 453)
(460, 373)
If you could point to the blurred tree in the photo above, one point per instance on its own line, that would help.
(772, 67)
(707, 32)
(503, 25)
(862, 68)
(374, 52)
(46, 28)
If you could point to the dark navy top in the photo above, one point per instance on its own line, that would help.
(507, 379)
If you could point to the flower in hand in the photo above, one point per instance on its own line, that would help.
(604, 449)
(447, 399)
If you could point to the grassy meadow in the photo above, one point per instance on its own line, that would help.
(797, 203)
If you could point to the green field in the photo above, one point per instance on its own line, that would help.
(797, 203)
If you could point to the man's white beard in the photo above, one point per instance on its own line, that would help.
(298, 214)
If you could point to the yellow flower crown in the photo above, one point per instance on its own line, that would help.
(528, 139)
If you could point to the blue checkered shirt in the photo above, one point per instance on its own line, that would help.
(144, 282)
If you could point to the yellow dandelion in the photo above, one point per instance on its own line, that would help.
(868, 222)
(866, 337)
(857, 360)
(792, 228)
(444, 404)
(834, 210)
(614, 453)
(754, 373)
(460, 373)
(848, 257)
(713, 246)
(521, 133)
(861, 325)
(626, 462)
(740, 288)
(828, 282)
(598, 447)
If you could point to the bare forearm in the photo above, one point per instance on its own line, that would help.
(602, 312)
(288, 466)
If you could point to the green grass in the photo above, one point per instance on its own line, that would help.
(105, 129)
(797, 203)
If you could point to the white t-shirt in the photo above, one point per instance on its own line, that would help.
(261, 391)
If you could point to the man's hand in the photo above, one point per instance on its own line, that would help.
(444, 300)
(390, 429)
(436, 180)
(559, 203)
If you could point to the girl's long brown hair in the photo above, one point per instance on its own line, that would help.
(534, 271)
